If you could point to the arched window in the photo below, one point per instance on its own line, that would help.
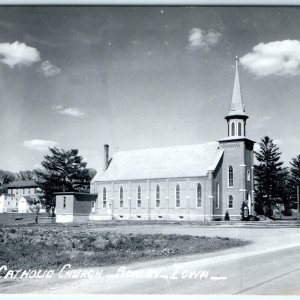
(230, 176)
(248, 175)
(198, 195)
(139, 196)
(121, 197)
(177, 192)
(230, 202)
(218, 196)
(232, 129)
(157, 196)
(104, 198)
(239, 129)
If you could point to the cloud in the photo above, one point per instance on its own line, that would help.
(201, 39)
(71, 111)
(48, 69)
(39, 145)
(281, 58)
(18, 54)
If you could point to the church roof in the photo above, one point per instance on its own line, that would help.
(237, 107)
(168, 162)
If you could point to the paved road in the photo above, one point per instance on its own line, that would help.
(270, 265)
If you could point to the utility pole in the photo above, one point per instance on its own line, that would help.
(298, 201)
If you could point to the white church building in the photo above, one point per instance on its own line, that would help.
(193, 182)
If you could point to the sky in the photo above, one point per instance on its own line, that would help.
(143, 77)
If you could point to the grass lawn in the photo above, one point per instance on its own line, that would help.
(42, 247)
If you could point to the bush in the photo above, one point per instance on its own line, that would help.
(254, 218)
(287, 212)
(227, 218)
(217, 219)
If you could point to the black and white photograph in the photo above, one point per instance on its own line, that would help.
(149, 150)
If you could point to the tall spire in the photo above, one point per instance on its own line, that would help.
(237, 108)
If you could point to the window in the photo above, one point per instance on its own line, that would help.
(198, 195)
(139, 196)
(230, 202)
(23, 191)
(8, 203)
(121, 197)
(35, 190)
(248, 175)
(218, 196)
(64, 202)
(230, 176)
(93, 207)
(157, 196)
(232, 129)
(239, 128)
(177, 192)
(17, 192)
(104, 197)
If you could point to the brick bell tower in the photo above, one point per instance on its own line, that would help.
(237, 167)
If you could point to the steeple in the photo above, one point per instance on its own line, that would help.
(236, 117)
(237, 108)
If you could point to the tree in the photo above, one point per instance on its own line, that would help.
(92, 173)
(294, 178)
(26, 175)
(35, 207)
(269, 176)
(5, 178)
(64, 171)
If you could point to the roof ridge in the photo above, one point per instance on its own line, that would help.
(167, 147)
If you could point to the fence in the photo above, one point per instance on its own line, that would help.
(24, 219)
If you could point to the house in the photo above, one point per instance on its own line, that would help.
(20, 196)
(8, 203)
(194, 182)
(23, 188)
(25, 204)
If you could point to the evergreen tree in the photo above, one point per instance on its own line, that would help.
(64, 171)
(269, 176)
(294, 178)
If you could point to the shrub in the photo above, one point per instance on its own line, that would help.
(287, 212)
(254, 218)
(227, 218)
(100, 243)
